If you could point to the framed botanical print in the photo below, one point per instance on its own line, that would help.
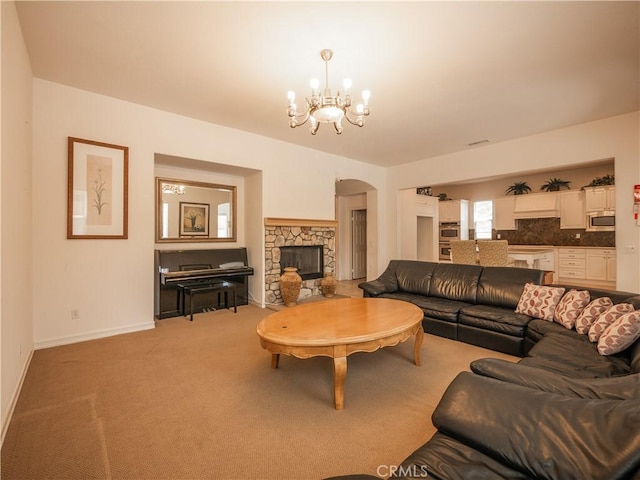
(97, 190)
(194, 219)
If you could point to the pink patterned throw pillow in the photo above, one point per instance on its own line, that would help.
(539, 301)
(570, 306)
(621, 334)
(590, 313)
(606, 318)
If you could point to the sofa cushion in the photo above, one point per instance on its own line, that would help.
(570, 307)
(615, 388)
(497, 319)
(606, 318)
(621, 334)
(539, 301)
(503, 286)
(536, 329)
(590, 313)
(544, 435)
(413, 276)
(444, 457)
(440, 308)
(455, 282)
(575, 356)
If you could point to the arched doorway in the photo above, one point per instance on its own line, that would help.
(357, 213)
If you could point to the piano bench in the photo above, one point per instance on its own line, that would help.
(192, 290)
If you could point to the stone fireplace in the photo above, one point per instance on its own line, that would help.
(281, 232)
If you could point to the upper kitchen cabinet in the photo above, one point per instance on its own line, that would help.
(536, 205)
(454, 211)
(426, 205)
(503, 218)
(600, 198)
(572, 209)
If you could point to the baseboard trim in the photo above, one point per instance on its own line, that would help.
(56, 342)
(14, 398)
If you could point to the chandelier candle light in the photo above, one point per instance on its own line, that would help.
(326, 108)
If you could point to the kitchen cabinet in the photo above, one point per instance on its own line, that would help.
(600, 198)
(426, 206)
(572, 209)
(587, 266)
(537, 205)
(503, 218)
(454, 211)
(601, 264)
(571, 263)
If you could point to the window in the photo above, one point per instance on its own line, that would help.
(483, 219)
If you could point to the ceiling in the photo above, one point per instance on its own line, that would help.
(442, 75)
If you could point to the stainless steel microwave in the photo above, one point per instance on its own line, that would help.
(449, 231)
(603, 221)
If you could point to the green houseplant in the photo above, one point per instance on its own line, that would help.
(608, 179)
(518, 188)
(555, 185)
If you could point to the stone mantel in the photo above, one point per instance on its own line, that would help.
(298, 222)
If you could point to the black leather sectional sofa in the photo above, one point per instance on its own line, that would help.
(564, 411)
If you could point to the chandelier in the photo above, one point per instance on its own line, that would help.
(323, 107)
(172, 189)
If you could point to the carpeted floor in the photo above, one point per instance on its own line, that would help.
(198, 400)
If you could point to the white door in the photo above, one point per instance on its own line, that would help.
(358, 244)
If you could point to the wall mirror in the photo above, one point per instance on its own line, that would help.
(188, 211)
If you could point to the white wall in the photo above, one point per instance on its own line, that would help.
(16, 330)
(111, 281)
(616, 137)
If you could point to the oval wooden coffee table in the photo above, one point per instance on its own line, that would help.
(338, 328)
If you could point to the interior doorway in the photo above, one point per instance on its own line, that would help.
(358, 244)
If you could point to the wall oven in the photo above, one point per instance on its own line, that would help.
(603, 221)
(449, 231)
(444, 251)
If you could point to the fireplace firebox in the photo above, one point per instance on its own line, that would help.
(308, 259)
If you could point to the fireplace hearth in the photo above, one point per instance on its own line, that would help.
(308, 259)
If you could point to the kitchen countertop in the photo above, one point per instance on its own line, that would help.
(529, 248)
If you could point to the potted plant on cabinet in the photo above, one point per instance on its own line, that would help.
(518, 188)
(555, 185)
(608, 179)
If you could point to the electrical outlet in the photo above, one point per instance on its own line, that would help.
(499, 236)
(577, 235)
(75, 314)
(629, 249)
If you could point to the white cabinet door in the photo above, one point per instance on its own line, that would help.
(426, 206)
(600, 198)
(449, 211)
(572, 211)
(601, 264)
(503, 218)
(454, 211)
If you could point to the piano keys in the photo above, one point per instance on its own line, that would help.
(198, 266)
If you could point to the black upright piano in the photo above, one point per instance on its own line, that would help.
(173, 267)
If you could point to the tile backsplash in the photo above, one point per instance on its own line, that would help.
(546, 231)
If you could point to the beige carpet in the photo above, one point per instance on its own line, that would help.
(198, 400)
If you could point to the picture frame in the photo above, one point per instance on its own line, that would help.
(194, 219)
(97, 190)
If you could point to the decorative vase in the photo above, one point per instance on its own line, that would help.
(328, 285)
(290, 284)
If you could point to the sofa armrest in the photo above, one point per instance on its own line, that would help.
(385, 283)
(543, 434)
(374, 288)
(626, 387)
